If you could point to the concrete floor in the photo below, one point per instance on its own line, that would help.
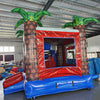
(93, 94)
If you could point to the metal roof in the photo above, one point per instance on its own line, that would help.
(61, 10)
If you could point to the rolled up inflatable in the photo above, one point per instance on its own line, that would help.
(12, 80)
(15, 69)
(12, 72)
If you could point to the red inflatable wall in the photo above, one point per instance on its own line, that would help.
(12, 80)
(57, 72)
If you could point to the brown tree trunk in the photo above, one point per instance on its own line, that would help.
(30, 50)
(81, 29)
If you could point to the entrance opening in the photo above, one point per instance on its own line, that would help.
(59, 52)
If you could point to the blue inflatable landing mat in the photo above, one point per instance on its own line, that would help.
(57, 85)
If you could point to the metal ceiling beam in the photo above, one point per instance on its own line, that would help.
(21, 4)
(47, 6)
(94, 30)
(90, 4)
(73, 7)
(93, 34)
(55, 16)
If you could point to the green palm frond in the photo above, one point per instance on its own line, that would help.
(69, 24)
(21, 12)
(39, 23)
(39, 14)
(19, 33)
(91, 19)
(21, 21)
(80, 21)
(31, 16)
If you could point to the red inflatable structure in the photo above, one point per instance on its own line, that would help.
(64, 40)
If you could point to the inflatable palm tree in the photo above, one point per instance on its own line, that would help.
(28, 16)
(79, 23)
(30, 21)
(19, 33)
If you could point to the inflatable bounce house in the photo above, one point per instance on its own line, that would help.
(55, 59)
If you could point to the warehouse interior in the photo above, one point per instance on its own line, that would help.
(62, 11)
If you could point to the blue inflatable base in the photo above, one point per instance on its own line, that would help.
(14, 88)
(57, 85)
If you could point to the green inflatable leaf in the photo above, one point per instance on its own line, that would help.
(19, 31)
(91, 19)
(80, 21)
(39, 23)
(19, 35)
(31, 16)
(39, 14)
(70, 24)
(21, 12)
(21, 21)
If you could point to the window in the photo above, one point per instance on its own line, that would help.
(91, 55)
(7, 49)
(6, 53)
(11, 49)
(1, 57)
(59, 52)
(6, 58)
(1, 48)
(9, 57)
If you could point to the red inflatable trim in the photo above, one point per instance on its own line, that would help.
(57, 72)
(14, 76)
(13, 80)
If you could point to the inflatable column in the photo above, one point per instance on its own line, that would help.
(60, 55)
(30, 50)
(81, 29)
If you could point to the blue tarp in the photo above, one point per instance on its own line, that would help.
(8, 69)
(5, 74)
(57, 85)
(97, 65)
(91, 66)
(95, 76)
(14, 88)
